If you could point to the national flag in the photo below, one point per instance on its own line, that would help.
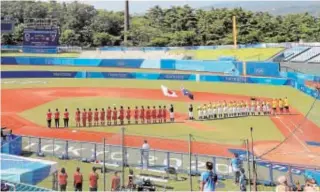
(186, 92)
(167, 92)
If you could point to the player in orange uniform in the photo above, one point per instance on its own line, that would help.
(121, 116)
(164, 114)
(128, 115)
(49, 118)
(66, 118)
(90, 117)
(114, 116)
(160, 114)
(142, 114)
(148, 115)
(109, 114)
(102, 117)
(84, 118)
(154, 114)
(57, 118)
(78, 114)
(136, 115)
(96, 117)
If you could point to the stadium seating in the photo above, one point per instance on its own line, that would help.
(23, 187)
(309, 54)
(315, 59)
(293, 52)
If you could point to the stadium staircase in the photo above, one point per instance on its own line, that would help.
(22, 186)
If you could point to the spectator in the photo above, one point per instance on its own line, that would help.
(208, 179)
(311, 185)
(243, 180)
(145, 154)
(236, 165)
(115, 182)
(297, 187)
(283, 184)
(131, 180)
(63, 176)
(93, 179)
(77, 180)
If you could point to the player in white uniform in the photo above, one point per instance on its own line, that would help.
(219, 108)
(230, 112)
(209, 109)
(247, 108)
(253, 108)
(204, 111)
(258, 107)
(225, 109)
(214, 110)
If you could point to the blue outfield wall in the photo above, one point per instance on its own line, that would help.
(219, 66)
(164, 76)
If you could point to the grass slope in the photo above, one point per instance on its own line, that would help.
(230, 131)
(245, 54)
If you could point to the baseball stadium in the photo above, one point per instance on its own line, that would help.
(159, 98)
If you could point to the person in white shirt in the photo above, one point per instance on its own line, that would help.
(145, 154)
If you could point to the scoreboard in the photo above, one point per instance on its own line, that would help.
(6, 27)
(41, 37)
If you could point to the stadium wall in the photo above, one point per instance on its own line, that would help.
(291, 79)
(268, 69)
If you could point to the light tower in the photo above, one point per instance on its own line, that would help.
(126, 21)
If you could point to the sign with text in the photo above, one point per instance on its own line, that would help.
(41, 37)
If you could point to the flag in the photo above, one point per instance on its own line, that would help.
(167, 92)
(186, 92)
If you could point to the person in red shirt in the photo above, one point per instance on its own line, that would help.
(49, 118)
(154, 114)
(128, 115)
(84, 118)
(148, 115)
(57, 118)
(114, 116)
(164, 114)
(93, 180)
(142, 114)
(62, 179)
(160, 114)
(136, 114)
(66, 118)
(109, 111)
(77, 180)
(78, 114)
(115, 182)
(121, 116)
(90, 117)
(102, 117)
(96, 117)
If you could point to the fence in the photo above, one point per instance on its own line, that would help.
(158, 160)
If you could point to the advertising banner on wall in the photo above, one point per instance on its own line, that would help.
(41, 37)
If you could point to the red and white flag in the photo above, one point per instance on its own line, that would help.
(167, 92)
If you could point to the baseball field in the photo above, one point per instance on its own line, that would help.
(26, 101)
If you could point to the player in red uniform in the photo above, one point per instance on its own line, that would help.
(57, 118)
(148, 115)
(66, 118)
(90, 117)
(96, 117)
(160, 114)
(84, 118)
(121, 115)
(78, 114)
(102, 117)
(142, 114)
(154, 114)
(49, 118)
(114, 116)
(164, 114)
(136, 114)
(128, 115)
(109, 112)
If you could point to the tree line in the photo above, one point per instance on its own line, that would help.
(83, 25)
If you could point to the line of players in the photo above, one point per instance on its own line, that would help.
(223, 109)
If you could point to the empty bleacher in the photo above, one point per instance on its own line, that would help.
(307, 55)
(316, 59)
(293, 52)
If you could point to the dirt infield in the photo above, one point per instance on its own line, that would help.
(15, 101)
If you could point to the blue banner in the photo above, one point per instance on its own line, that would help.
(118, 75)
(39, 74)
(174, 76)
(41, 37)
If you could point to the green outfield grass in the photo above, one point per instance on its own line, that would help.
(71, 165)
(103, 69)
(245, 54)
(6, 54)
(297, 99)
(265, 129)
